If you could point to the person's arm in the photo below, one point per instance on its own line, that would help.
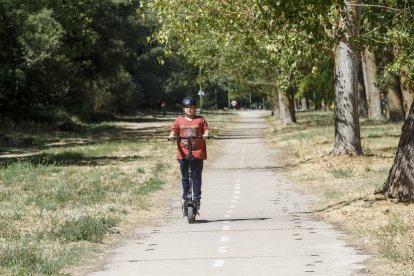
(205, 127)
(206, 133)
(172, 134)
(174, 130)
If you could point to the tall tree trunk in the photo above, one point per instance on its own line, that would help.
(362, 96)
(347, 131)
(292, 92)
(395, 104)
(305, 104)
(407, 91)
(369, 69)
(400, 182)
(318, 102)
(275, 103)
(288, 107)
(281, 105)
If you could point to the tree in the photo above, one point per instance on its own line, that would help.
(347, 131)
(388, 33)
(406, 89)
(369, 69)
(395, 102)
(318, 86)
(400, 182)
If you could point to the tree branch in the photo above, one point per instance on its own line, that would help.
(380, 6)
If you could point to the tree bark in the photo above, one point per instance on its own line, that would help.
(275, 103)
(362, 96)
(305, 104)
(400, 182)
(281, 105)
(369, 69)
(394, 99)
(287, 107)
(347, 131)
(406, 90)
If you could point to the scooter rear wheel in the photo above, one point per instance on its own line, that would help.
(190, 214)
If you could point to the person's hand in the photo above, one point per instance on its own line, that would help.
(171, 138)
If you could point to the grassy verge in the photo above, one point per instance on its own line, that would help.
(345, 186)
(68, 195)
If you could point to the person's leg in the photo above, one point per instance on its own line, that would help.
(196, 174)
(184, 176)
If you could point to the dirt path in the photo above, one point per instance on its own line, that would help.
(252, 222)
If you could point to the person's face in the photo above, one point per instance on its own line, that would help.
(189, 110)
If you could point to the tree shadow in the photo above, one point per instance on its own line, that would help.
(339, 205)
(68, 158)
(241, 133)
(265, 168)
(87, 136)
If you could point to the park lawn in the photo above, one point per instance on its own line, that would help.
(346, 186)
(65, 199)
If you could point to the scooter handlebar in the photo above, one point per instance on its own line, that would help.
(177, 138)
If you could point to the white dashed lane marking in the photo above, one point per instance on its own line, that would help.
(224, 239)
(218, 263)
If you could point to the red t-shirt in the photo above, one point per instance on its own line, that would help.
(184, 128)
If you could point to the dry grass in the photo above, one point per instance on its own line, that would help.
(345, 186)
(77, 194)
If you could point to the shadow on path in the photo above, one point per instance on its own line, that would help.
(231, 220)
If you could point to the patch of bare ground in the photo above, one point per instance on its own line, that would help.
(345, 187)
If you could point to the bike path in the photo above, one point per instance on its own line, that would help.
(252, 222)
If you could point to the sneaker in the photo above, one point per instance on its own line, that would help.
(197, 202)
(186, 198)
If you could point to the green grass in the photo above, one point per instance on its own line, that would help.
(342, 172)
(391, 241)
(28, 259)
(86, 228)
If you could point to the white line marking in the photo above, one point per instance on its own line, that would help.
(224, 239)
(227, 216)
(232, 206)
(218, 263)
(236, 192)
(226, 228)
(236, 197)
(222, 249)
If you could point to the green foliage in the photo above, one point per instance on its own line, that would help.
(388, 29)
(318, 86)
(42, 37)
(84, 57)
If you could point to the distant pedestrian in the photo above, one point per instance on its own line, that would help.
(164, 108)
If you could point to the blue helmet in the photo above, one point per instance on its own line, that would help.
(188, 101)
